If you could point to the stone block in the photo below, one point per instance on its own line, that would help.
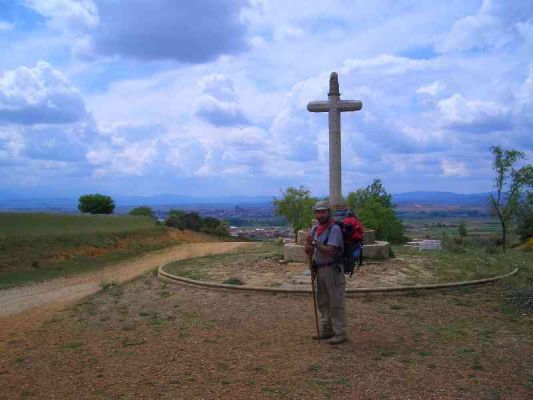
(302, 235)
(293, 252)
(369, 236)
(378, 249)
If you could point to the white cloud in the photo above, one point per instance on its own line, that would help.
(460, 113)
(524, 105)
(6, 26)
(155, 30)
(67, 14)
(12, 144)
(451, 168)
(493, 26)
(128, 159)
(432, 89)
(287, 32)
(217, 101)
(39, 95)
(387, 64)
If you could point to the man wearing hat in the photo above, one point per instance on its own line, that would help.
(325, 244)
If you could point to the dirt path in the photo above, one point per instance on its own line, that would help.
(41, 298)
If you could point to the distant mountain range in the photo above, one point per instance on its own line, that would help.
(441, 198)
(400, 199)
(66, 203)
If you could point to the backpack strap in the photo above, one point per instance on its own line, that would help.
(327, 234)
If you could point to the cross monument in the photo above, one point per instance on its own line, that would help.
(334, 106)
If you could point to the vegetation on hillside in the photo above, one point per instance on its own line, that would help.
(193, 221)
(40, 246)
(48, 224)
(143, 211)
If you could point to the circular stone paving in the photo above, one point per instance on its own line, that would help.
(262, 266)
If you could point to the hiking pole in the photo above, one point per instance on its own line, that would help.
(314, 296)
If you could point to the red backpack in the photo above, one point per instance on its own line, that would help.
(352, 229)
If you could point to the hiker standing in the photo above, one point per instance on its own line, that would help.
(325, 244)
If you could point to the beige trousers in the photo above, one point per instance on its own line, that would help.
(331, 299)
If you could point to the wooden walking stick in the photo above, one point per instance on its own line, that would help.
(314, 295)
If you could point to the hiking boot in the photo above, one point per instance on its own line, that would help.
(337, 340)
(322, 336)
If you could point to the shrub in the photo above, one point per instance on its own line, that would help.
(183, 220)
(96, 204)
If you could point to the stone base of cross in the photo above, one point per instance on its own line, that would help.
(334, 106)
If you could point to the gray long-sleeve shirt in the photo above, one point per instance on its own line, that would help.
(334, 239)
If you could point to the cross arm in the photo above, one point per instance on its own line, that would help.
(347, 105)
(318, 106)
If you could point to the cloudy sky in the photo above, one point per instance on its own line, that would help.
(208, 97)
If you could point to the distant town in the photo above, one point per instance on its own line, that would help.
(255, 223)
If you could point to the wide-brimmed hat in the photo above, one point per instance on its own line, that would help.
(321, 205)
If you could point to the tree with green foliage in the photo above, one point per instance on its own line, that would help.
(174, 220)
(143, 211)
(524, 217)
(296, 205)
(382, 219)
(375, 190)
(96, 204)
(508, 184)
(374, 207)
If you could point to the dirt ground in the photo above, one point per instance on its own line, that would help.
(148, 339)
(45, 298)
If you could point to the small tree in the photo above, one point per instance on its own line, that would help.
(461, 229)
(509, 183)
(383, 219)
(296, 205)
(143, 211)
(374, 207)
(96, 204)
(375, 190)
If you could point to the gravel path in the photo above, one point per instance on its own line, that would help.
(53, 295)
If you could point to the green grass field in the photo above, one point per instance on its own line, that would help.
(39, 246)
(435, 228)
(44, 224)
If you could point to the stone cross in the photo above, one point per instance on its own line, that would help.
(334, 106)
